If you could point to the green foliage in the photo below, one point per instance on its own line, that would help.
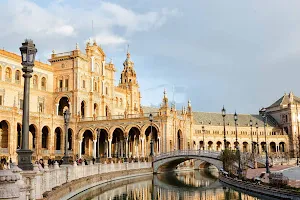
(228, 157)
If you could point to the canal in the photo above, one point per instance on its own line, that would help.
(180, 185)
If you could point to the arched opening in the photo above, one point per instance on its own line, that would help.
(4, 134)
(194, 145)
(228, 145)
(19, 135)
(210, 145)
(106, 111)
(96, 109)
(154, 137)
(236, 144)
(63, 103)
(35, 81)
(87, 143)
(201, 145)
(8, 74)
(18, 77)
(219, 146)
(263, 146)
(82, 109)
(179, 140)
(102, 147)
(70, 137)
(134, 142)
(43, 83)
(245, 147)
(58, 139)
(32, 136)
(118, 136)
(273, 147)
(281, 147)
(95, 86)
(45, 135)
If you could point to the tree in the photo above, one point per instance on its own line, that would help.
(228, 157)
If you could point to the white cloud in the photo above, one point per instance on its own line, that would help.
(109, 39)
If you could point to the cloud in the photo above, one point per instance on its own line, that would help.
(107, 39)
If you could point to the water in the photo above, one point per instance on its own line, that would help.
(184, 185)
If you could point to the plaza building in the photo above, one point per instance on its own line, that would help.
(107, 117)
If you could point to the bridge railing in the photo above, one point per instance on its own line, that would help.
(206, 153)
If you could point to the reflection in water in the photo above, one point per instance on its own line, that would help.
(184, 185)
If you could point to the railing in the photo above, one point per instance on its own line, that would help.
(45, 151)
(58, 151)
(47, 178)
(63, 54)
(213, 154)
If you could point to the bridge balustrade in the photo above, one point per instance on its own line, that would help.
(206, 153)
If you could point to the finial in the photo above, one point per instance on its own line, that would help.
(95, 43)
(77, 46)
(53, 51)
(165, 93)
(189, 103)
(111, 61)
(128, 54)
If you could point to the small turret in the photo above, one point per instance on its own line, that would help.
(291, 97)
(165, 99)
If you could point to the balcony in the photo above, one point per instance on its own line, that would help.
(58, 152)
(45, 151)
(3, 150)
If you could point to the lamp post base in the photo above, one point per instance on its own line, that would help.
(24, 159)
(66, 160)
(97, 159)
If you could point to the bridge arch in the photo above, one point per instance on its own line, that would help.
(169, 161)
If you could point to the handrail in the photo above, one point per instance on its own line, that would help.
(207, 153)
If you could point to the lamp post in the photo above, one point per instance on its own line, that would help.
(236, 144)
(66, 158)
(223, 115)
(151, 141)
(98, 144)
(203, 131)
(28, 52)
(252, 142)
(257, 144)
(263, 114)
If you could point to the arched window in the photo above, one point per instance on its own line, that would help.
(18, 77)
(106, 90)
(95, 87)
(35, 81)
(43, 83)
(8, 74)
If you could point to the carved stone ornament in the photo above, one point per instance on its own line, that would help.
(8, 187)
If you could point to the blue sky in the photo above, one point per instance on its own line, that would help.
(241, 54)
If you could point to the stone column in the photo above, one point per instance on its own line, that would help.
(94, 148)
(142, 145)
(80, 146)
(158, 147)
(57, 108)
(122, 145)
(92, 89)
(126, 147)
(109, 148)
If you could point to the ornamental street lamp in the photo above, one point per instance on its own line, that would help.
(28, 52)
(223, 115)
(151, 141)
(257, 144)
(66, 158)
(236, 145)
(203, 131)
(262, 112)
(98, 145)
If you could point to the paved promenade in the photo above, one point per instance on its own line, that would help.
(251, 173)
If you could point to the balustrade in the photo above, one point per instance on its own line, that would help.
(44, 180)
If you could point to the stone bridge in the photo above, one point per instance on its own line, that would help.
(169, 161)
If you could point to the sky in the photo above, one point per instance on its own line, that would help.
(241, 54)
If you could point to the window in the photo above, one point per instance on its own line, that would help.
(67, 84)
(8, 74)
(35, 81)
(95, 87)
(83, 84)
(106, 90)
(18, 77)
(43, 84)
(60, 84)
(1, 98)
(41, 107)
(21, 104)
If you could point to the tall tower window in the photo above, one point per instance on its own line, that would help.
(67, 84)
(83, 84)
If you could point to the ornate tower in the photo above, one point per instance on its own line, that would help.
(128, 82)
